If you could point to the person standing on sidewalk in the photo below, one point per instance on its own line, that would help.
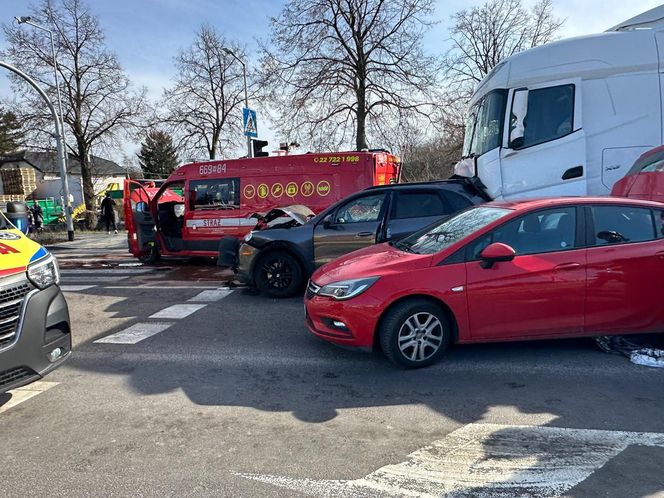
(108, 213)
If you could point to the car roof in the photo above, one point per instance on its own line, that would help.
(433, 183)
(544, 202)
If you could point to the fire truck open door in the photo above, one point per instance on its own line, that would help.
(139, 220)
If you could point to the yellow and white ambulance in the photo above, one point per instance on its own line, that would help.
(35, 334)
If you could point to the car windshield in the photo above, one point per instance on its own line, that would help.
(437, 237)
(484, 127)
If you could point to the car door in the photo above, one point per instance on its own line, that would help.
(139, 221)
(353, 225)
(548, 156)
(541, 292)
(412, 209)
(625, 270)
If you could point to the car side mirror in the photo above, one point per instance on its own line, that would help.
(518, 118)
(495, 253)
(327, 222)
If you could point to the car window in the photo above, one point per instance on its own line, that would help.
(622, 224)
(550, 115)
(457, 202)
(543, 231)
(659, 223)
(222, 193)
(361, 209)
(444, 233)
(654, 167)
(418, 205)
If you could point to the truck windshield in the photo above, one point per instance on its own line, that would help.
(437, 237)
(484, 127)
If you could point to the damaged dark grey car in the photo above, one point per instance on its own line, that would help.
(290, 243)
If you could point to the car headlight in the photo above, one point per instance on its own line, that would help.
(248, 237)
(44, 273)
(346, 289)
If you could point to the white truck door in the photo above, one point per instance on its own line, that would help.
(543, 152)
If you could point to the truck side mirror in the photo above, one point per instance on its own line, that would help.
(517, 119)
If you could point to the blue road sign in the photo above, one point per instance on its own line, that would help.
(249, 122)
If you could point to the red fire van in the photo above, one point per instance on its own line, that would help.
(202, 202)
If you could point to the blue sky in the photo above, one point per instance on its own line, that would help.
(147, 34)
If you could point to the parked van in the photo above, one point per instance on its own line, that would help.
(569, 117)
(202, 202)
(35, 333)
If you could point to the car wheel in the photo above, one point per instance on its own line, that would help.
(278, 274)
(414, 333)
(152, 257)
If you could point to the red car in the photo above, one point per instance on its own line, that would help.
(645, 179)
(537, 269)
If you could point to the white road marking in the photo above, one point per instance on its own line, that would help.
(106, 271)
(25, 393)
(178, 311)
(96, 278)
(75, 288)
(210, 296)
(157, 286)
(134, 334)
(486, 460)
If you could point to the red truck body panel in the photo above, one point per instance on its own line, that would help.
(220, 197)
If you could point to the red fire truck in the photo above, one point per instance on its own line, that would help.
(202, 202)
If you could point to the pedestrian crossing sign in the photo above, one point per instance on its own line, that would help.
(249, 122)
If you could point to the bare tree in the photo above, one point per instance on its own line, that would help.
(99, 103)
(205, 102)
(335, 66)
(483, 36)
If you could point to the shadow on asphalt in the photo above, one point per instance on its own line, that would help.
(255, 352)
(5, 398)
(250, 351)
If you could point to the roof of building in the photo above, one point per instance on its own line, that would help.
(46, 163)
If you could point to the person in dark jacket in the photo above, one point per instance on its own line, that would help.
(108, 213)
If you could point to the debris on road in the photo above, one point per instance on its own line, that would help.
(638, 353)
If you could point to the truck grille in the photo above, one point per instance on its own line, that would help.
(14, 375)
(312, 289)
(11, 299)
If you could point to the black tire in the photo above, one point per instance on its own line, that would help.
(152, 257)
(278, 274)
(394, 330)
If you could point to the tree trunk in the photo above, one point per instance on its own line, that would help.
(86, 175)
(361, 113)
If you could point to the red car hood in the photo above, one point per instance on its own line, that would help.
(375, 260)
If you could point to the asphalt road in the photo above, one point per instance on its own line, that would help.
(237, 399)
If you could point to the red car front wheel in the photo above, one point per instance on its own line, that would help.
(414, 333)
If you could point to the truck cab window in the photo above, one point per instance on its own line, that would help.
(550, 115)
(484, 129)
(222, 193)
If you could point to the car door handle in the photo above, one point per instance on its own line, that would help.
(568, 266)
(364, 234)
(660, 254)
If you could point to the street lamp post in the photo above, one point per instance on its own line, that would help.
(246, 95)
(63, 168)
(59, 141)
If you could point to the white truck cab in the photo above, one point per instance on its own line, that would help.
(569, 117)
